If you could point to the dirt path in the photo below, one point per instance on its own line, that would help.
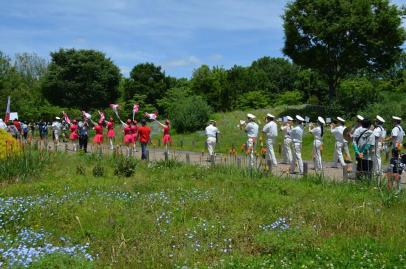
(156, 154)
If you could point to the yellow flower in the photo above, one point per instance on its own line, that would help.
(8, 145)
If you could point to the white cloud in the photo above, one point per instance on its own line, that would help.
(188, 61)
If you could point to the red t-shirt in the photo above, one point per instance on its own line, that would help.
(144, 133)
(17, 125)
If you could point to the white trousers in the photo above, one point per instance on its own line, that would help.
(251, 148)
(287, 146)
(377, 161)
(297, 158)
(270, 153)
(318, 164)
(338, 153)
(211, 145)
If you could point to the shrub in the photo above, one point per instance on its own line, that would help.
(8, 145)
(252, 99)
(98, 170)
(313, 111)
(190, 114)
(80, 170)
(289, 98)
(124, 166)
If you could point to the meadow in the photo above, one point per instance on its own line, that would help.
(79, 211)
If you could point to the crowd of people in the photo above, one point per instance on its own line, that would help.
(77, 132)
(367, 138)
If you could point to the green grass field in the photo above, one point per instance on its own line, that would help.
(169, 215)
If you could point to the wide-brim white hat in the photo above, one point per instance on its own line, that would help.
(289, 118)
(321, 120)
(299, 118)
(250, 116)
(58, 118)
(379, 118)
(269, 115)
(340, 119)
(396, 118)
(359, 117)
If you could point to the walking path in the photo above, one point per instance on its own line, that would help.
(157, 154)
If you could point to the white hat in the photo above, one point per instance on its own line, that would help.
(380, 119)
(340, 119)
(58, 118)
(359, 117)
(212, 121)
(299, 118)
(289, 118)
(269, 115)
(321, 120)
(250, 116)
(396, 118)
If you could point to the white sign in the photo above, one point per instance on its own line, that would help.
(13, 115)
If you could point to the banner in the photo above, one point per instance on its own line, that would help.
(7, 117)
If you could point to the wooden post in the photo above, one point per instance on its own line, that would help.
(66, 146)
(166, 156)
(239, 162)
(269, 164)
(345, 172)
(212, 159)
(147, 153)
(305, 168)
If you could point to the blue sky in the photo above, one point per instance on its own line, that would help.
(178, 35)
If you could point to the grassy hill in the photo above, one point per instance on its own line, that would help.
(170, 215)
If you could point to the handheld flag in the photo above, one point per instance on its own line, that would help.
(135, 110)
(66, 117)
(102, 117)
(86, 115)
(7, 117)
(151, 116)
(115, 107)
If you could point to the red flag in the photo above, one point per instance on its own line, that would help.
(7, 117)
(135, 108)
(151, 116)
(66, 117)
(102, 117)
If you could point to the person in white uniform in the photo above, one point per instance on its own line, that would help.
(397, 133)
(271, 131)
(211, 133)
(297, 136)
(286, 128)
(3, 125)
(56, 129)
(317, 132)
(252, 132)
(337, 131)
(380, 134)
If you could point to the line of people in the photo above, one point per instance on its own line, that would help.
(367, 139)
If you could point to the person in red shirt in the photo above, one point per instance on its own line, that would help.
(144, 136)
(110, 132)
(166, 138)
(17, 125)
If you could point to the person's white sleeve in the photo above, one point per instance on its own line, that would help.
(265, 129)
(395, 131)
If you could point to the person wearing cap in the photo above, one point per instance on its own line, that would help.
(380, 134)
(363, 145)
(297, 136)
(212, 133)
(317, 132)
(252, 132)
(74, 136)
(338, 131)
(397, 133)
(355, 129)
(83, 130)
(56, 130)
(286, 129)
(271, 131)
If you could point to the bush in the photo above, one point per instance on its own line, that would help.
(124, 166)
(98, 170)
(289, 98)
(8, 145)
(389, 105)
(190, 114)
(313, 111)
(253, 100)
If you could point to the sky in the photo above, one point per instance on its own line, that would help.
(179, 35)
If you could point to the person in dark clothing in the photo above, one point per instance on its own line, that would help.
(83, 135)
(144, 136)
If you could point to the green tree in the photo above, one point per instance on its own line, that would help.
(252, 99)
(149, 80)
(83, 79)
(341, 37)
(31, 67)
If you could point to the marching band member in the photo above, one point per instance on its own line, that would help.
(74, 136)
(380, 134)
(134, 132)
(110, 132)
(297, 136)
(56, 130)
(128, 136)
(271, 131)
(252, 132)
(287, 140)
(211, 133)
(318, 132)
(337, 131)
(166, 138)
(397, 133)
